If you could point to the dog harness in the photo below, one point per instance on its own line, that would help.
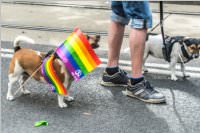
(169, 43)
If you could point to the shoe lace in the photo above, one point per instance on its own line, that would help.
(148, 87)
(122, 72)
(123, 75)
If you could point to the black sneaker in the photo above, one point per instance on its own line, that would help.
(118, 79)
(144, 92)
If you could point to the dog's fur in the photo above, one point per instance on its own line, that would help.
(25, 61)
(154, 46)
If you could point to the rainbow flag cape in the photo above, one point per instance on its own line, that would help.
(50, 76)
(77, 55)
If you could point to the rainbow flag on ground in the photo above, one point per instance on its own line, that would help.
(78, 57)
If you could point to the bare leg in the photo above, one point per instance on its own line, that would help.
(137, 42)
(146, 54)
(115, 37)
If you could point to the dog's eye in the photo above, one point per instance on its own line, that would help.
(193, 48)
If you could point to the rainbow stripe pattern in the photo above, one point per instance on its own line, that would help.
(77, 55)
(50, 76)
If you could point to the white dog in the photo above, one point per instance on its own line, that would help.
(181, 50)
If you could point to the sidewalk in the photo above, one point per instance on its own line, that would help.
(168, 5)
(94, 20)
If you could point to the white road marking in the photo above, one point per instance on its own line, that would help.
(156, 65)
(158, 71)
(6, 55)
(152, 67)
(7, 50)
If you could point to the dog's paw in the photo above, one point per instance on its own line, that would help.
(186, 76)
(69, 98)
(144, 70)
(10, 98)
(62, 105)
(26, 92)
(174, 78)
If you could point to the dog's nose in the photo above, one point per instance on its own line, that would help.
(196, 56)
(98, 36)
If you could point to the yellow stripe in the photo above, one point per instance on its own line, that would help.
(85, 51)
(75, 45)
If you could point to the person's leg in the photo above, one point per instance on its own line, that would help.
(137, 40)
(141, 20)
(113, 76)
(115, 38)
(139, 87)
(141, 17)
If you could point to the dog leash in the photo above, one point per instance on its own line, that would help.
(161, 21)
(21, 86)
(34, 72)
(158, 24)
(164, 49)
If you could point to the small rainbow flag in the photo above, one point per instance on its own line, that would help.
(77, 55)
(50, 76)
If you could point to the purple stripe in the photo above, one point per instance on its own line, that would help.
(44, 73)
(67, 64)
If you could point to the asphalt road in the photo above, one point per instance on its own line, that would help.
(98, 109)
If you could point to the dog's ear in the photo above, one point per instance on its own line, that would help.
(187, 41)
(198, 41)
(180, 39)
(98, 37)
(88, 37)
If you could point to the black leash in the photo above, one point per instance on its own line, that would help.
(164, 50)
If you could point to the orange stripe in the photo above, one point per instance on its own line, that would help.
(85, 51)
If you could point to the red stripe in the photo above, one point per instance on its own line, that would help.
(88, 46)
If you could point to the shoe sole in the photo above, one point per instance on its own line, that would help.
(128, 93)
(110, 84)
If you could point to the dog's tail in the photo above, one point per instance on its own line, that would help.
(20, 39)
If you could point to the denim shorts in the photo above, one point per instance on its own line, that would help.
(137, 11)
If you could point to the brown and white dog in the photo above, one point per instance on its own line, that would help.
(25, 61)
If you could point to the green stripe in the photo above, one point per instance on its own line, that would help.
(76, 57)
